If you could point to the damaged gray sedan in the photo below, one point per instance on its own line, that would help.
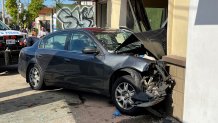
(116, 63)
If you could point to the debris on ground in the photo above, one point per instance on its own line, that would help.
(117, 113)
(3, 73)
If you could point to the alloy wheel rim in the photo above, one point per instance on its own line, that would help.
(34, 77)
(123, 95)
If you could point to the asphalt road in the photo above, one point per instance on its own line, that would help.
(20, 104)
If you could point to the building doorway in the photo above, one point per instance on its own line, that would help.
(101, 14)
(146, 15)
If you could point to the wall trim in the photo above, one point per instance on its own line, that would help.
(175, 60)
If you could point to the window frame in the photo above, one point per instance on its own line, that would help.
(53, 35)
(101, 49)
(89, 36)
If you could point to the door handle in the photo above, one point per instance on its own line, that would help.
(67, 60)
(39, 56)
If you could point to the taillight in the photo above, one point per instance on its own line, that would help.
(13, 37)
(6, 37)
(1, 42)
(10, 37)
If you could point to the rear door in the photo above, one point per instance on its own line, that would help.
(51, 57)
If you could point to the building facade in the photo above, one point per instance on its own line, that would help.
(44, 19)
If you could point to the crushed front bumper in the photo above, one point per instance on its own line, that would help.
(146, 99)
(156, 88)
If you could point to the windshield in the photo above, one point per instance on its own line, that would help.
(111, 40)
(3, 26)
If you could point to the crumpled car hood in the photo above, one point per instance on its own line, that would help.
(153, 41)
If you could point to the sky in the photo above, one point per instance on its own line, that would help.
(51, 2)
(48, 3)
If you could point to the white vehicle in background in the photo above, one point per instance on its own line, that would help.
(11, 42)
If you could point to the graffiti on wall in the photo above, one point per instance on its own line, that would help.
(78, 17)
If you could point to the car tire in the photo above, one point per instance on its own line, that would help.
(121, 96)
(34, 77)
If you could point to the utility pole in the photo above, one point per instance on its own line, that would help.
(19, 11)
(3, 11)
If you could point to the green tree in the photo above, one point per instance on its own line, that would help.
(25, 19)
(33, 8)
(12, 9)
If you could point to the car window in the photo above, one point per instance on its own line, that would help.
(131, 46)
(112, 40)
(120, 38)
(57, 42)
(3, 26)
(106, 37)
(79, 41)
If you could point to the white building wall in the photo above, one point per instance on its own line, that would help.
(201, 86)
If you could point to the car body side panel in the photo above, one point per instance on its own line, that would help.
(114, 62)
(55, 66)
(22, 63)
(82, 70)
(126, 61)
(26, 57)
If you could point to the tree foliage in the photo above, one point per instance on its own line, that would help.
(12, 9)
(34, 7)
(25, 19)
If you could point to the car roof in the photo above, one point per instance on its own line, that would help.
(100, 29)
(93, 29)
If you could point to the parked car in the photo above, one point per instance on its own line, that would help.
(11, 42)
(116, 63)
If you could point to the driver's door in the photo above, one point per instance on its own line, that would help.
(85, 70)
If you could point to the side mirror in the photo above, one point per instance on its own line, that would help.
(90, 50)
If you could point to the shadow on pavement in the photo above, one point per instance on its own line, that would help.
(140, 119)
(8, 70)
(13, 92)
(149, 119)
(37, 99)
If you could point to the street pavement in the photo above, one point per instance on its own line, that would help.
(20, 104)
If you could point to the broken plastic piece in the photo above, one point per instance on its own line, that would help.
(117, 113)
(142, 96)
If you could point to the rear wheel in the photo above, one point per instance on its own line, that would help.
(35, 77)
(122, 92)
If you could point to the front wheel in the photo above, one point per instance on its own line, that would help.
(35, 77)
(122, 92)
